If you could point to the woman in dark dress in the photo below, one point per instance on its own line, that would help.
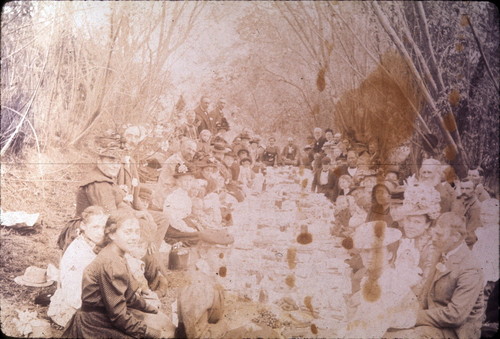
(111, 307)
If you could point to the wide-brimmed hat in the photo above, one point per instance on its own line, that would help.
(375, 234)
(220, 148)
(419, 200)
(109, 145)
(245, 159)
(243, 150)
(182, 169)
(207, 161)
(230, 153)
(111, 152)
(222, 125)
(35, 277)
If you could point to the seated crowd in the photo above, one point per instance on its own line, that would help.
(409, 241)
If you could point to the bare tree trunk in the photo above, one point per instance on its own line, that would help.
(490, 73)
(97, 112)
(455, 153)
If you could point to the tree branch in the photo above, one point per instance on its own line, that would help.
(490, 73)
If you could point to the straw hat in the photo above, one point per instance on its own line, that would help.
(241, 150)
(375, 234)
(206, 161)
(245, 159)
(419, 200)
(220, 148)
(35, 277)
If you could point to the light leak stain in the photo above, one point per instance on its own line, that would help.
(314, 329)
(222, 271)
(449, 122)
(450, 153)
(464, 20)
(304, 183)
(301, 170)
(337, 171)
(304, 237)
(308, 304)
(450, 175)
(371, 289)
(290, 281)
(320, 80)
(348, 243)
(291, 256)
(221, 255)
(454, 99)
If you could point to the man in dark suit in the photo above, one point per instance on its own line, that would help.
(325, 181)
(469, 207)
(217, 114)
(351, 168)
(271, 156)
(317, 148)
(453, 303)
(203, 118)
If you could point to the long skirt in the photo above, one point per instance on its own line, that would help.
(92, 324)
(96, 324)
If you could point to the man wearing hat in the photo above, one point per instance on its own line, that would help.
(271, 156)
(166, 180)
(217, 114)
(236, 144)
(307, 156)
(383, 301)
(290, 154)
(220, 136)
(453, 303)
(210, 171)
(219, 150)
(230, 174)
(246, 176)
(242, 141)
(243, 153)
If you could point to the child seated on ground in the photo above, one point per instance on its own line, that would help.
(80, 253)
